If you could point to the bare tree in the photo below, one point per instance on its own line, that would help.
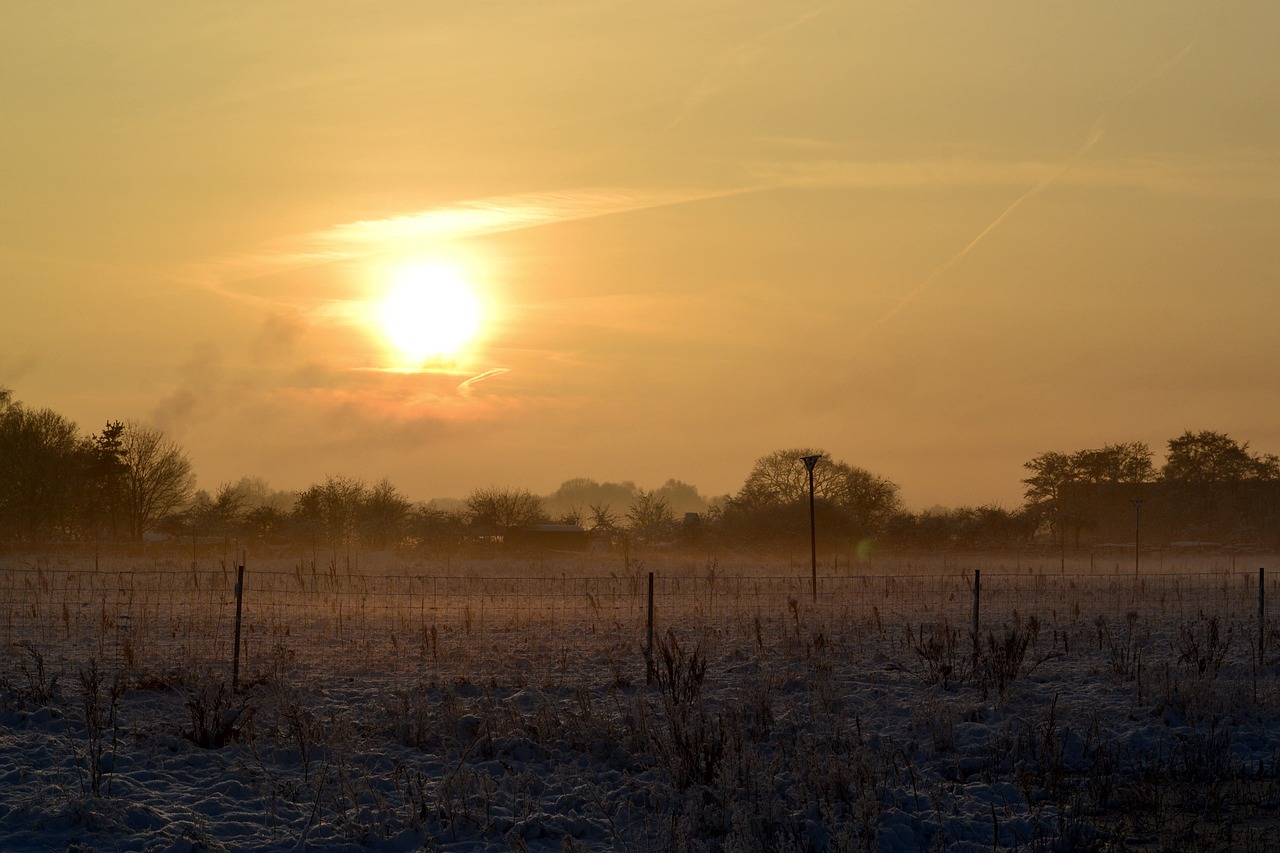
(220, 513)
(157, 477)
(384, 515)
(603, 518)
(650, 518)
(504, 510)
(332, 509)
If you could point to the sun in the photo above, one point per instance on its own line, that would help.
(431, 312)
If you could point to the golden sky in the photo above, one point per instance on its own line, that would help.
(934, 239)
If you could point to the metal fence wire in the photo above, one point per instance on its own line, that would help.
(168, 619)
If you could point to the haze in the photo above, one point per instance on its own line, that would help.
(932, 239)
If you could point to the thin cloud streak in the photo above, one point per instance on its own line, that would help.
(1251, 175)
(466, 388)
(1095, 135)
(366, 238)
(733, 59)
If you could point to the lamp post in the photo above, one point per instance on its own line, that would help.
(809, 462)
(1137, 530)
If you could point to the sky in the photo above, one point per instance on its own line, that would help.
(933, 239)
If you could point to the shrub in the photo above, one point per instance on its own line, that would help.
(217, 715)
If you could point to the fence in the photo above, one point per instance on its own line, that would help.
(159, 620)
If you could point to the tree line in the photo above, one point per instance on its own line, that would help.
(1211, 488)
(57, 484)
(130, 482)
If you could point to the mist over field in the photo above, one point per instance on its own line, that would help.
(132, 483)
(614, 667)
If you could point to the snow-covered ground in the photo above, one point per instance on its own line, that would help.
(1100, 714)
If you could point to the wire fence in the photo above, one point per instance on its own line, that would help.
(167, 620)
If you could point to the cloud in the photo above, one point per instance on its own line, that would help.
(434, 226)
(13, 369)
(199, 394)
(278, 336)
(1251, 174)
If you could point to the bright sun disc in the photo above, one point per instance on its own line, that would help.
(430, 312)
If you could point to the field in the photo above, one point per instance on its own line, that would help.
(399, 703)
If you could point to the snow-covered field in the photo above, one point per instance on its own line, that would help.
(511, 706)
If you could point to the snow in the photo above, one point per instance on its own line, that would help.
(1138, 715)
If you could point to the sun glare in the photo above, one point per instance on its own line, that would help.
(431, 312)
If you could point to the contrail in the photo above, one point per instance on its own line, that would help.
(1161, 71)
(1095, 135)
(735, 57)
(1099, 130)
(464, 388)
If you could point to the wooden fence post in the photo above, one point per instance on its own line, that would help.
(648, 643)
(235, 655)
(1262, 614)
(977, 598)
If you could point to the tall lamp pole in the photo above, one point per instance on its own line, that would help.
(1137, 531)
(809, 462)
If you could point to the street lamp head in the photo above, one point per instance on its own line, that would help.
(810, 461)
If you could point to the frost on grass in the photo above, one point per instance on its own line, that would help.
(755, 724)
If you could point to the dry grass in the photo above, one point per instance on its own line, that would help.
(775, 717)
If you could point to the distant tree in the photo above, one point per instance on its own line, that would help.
(102, 505)
(259, 493)
(603, 518)
(1128, 463)
(220, 514)
(1210, 486)
(965, 527)
(1049, 472)
(573, 515)
(42, 471)
(1214, 481)
(249, 508)
(650, 519)
(436, 528)
(682, 497)
(989, 526)
(580, 492)
(1215, 457)
(928, 528)
(851, 503)
(781, 479)
(383, 515)
(157, 478)
(265, 522)
(867, 500)
(1062, 489)
(503, 510)
(329, 513)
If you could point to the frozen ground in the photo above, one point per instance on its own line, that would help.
(772, 723)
